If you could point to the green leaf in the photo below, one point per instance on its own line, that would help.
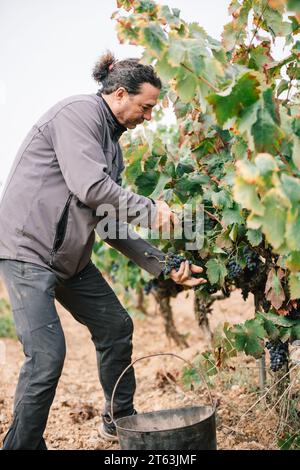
(278, 319)
(270, 105)
(296, 123)
(267, 135)
(246, 195)
(293, 261)
(222, 199)
(162, 181)
(196, 49)
(271, 329)
(244, 93)
(254, 237)
(189, 183)
(273, 23)
(198, 179)
(296, 152)
(294, 285)
(216, 271)
(176, 53)
(249, 338)
(154, 37)
(234, 232)
(239, 148)
(291, 186)
(259, 57)
(283, 85)
(293, 5)
(295, 332)
(151, 163)
(146, 182)
(232, 216)
(293, 229)
(183, 168)
(218, 250)
(133, 171)
(186, 86)
(274, 219)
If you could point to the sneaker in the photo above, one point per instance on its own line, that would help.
(107, 429)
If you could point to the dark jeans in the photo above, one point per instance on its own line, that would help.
(87, 296)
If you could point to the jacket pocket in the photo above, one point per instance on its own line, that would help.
(61, 229)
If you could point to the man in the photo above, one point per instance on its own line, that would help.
(67, 167)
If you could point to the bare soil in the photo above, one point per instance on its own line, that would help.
(75, 414)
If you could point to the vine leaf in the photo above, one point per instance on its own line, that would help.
(161, 183)
(267, 135)
(216, 271)
(274, 221)
(246, 195)
(294, 285)
(254, 237)
(243, 94)
(274, 290)
(278, 319)
(146, 182)
(249, 336)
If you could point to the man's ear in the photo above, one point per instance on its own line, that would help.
(120, 93)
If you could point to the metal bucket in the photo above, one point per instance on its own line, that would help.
(188, 428)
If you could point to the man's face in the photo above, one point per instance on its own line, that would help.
(134, 109)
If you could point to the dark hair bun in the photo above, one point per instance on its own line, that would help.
(103, 66)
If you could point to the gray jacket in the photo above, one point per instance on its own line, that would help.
(69, 163)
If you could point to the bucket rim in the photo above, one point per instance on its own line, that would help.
(212, 408)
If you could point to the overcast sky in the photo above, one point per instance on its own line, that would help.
(48, 49)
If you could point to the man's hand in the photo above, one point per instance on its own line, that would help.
(165, 218)
(183, 275)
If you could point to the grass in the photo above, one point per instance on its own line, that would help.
(7, 328)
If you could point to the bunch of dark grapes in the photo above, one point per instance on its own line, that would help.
(251, 259)
(234, 270)
(278, 354)
(173, 261)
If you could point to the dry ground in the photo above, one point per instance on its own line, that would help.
(74, 416)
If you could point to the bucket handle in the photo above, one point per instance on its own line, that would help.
(199, 371)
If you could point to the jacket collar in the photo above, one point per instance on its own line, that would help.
(116, 128)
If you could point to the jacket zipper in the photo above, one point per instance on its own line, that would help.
(60, 230)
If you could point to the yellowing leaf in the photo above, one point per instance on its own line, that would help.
(247, 171)
(293, 229)
(274, 219)
(265, 163)
(247, 196)
(296, 152)
(293, 261)
(294, 285)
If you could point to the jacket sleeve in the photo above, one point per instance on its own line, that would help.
(140, 251)
(131, 245)
(75, 132)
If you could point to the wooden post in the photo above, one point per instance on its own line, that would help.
(262, 372)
